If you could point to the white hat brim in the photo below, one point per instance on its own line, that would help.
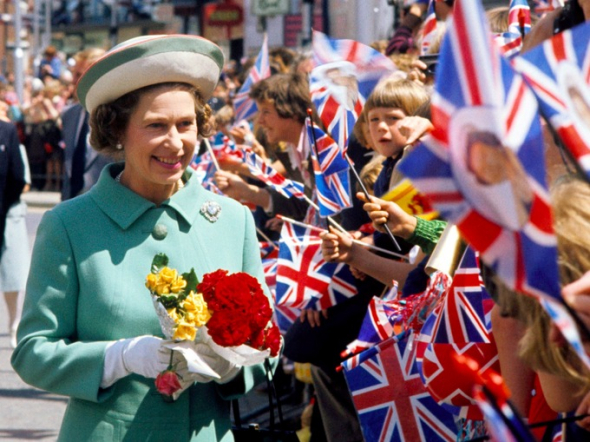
(151, 60)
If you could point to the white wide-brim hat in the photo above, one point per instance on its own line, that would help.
(144, 61)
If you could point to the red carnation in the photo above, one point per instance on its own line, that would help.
(210, 280)
(226, 332)
(273, 340)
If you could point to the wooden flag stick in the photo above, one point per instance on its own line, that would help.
(356, 241)
(210, 150)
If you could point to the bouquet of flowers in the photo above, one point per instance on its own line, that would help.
(228, 312)
(240, 328)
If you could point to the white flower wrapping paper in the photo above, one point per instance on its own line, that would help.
(166, 322)
(241, 355)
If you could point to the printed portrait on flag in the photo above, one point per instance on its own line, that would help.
(576, 96)
(488, 173)
(340, 77)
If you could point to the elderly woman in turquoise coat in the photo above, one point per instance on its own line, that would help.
(89, 329)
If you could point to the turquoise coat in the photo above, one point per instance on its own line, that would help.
(87, 287)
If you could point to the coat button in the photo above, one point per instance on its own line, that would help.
(160, 231)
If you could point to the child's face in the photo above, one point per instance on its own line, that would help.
(383, 127)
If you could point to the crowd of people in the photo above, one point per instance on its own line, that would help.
(124, 152)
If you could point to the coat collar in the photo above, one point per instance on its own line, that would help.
(124, 206)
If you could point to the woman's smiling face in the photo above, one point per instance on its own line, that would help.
(159, 142)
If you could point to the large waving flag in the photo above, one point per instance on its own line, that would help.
(304, 278)
(272, 178)
(390, 398)
(483, 165)
(244, 106)
(346, 73)
(559, 73)
(331, 173)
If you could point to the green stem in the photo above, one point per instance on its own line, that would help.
(170, 362)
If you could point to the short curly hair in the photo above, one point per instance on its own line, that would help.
(108, 122)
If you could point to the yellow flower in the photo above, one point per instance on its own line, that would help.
(173, 313)
(162, 288)
(150, 281)
(196, 307)
(168, 275)
(185, 332)
(178, 284)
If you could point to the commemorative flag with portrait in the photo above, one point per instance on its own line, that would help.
(558, 71)
(483, 165)
(345, 74)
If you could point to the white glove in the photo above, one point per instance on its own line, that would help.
(225, 369)
(144, 355)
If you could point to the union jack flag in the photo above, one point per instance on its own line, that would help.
(390, 398)
(519, 24)
(377, 326)
(272, 178)
(244, 106)
(478, 101)
(460, 327)
(346, 73)
(429, 29)
(558, 71)
(205, 169)
(331, 173)
(304, 278)
(225, 149)
(519, 17)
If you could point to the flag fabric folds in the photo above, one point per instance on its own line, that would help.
(344, 75)
(483, 165)
(304, 278)
(245, 108)
(272, 178)
(390, 398)
(558, 72)
(331, 173)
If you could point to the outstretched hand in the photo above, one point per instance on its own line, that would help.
(337, 246)
(401, 224)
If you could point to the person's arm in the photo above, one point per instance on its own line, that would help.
(417, 231)
(542, 31)
(47, 355)
(338, 247)
(519, 377)
(402, 40)
(235, 187)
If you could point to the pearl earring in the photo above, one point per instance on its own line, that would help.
(119, 146)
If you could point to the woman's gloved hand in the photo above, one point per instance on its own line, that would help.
(225, 369)
(143, 355)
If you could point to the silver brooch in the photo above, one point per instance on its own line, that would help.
(211, 211)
